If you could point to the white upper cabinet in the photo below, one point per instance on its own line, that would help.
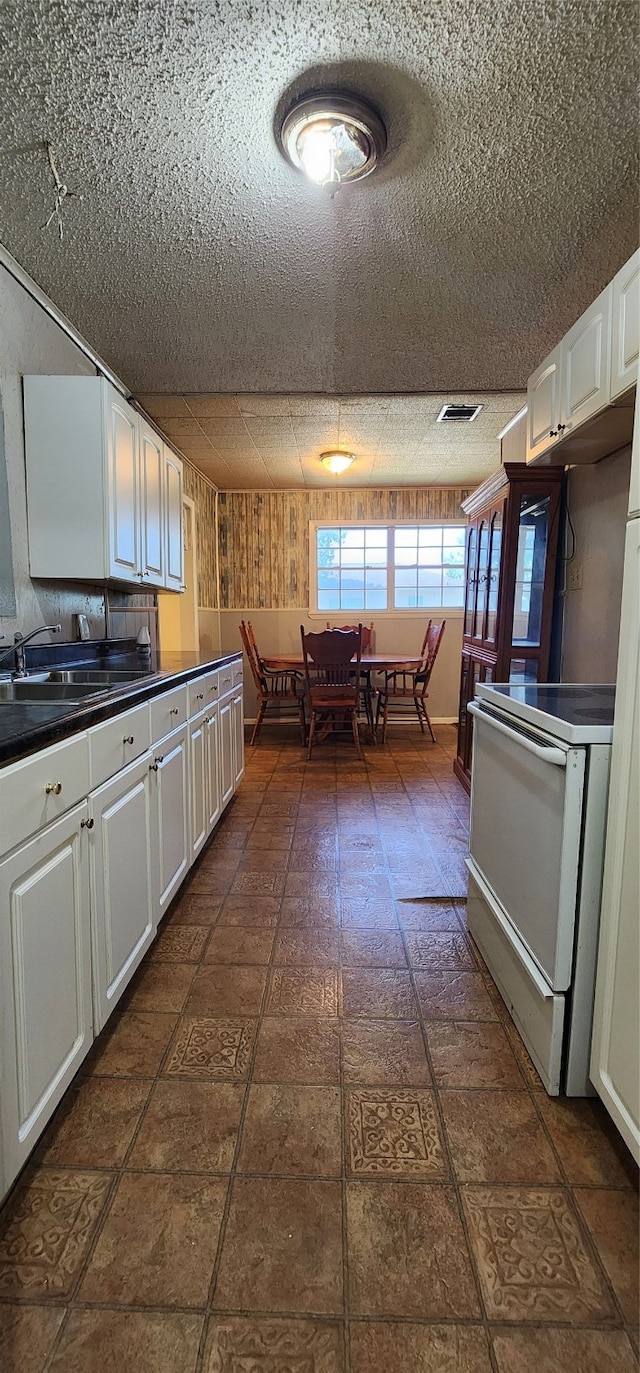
(543, 406)
(625, 334)
(585, 362)
(100, 484)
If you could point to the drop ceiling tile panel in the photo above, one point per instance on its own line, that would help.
(212, 407)
(350, 404)
(176, 428)
(269, 430)
(317, 407)
(164, 406)
(263, 405)
(227, 426)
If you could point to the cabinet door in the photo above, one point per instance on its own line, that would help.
(471, 576)
(616, 1030)
(123, 911)
(482, 580)
(227, 770)
(543, 406)
(122, 485)
(152, 538)
(212, 747)
(625, 327)
(45, 967)
(198, 784)
(237, 710)
(585, 363)
(170, 815)
(174, 552)
(493, 575)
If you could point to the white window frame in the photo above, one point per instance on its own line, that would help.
(417, 612)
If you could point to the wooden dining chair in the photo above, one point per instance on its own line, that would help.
(368, 635)
(332, 672)
(368, 692)
(400, 686)
(281, 689)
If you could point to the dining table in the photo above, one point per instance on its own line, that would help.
(369, 663)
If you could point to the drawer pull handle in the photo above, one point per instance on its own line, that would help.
(173, 710)
(156, 763)
(128, 739)
(200, 696)
(53, 788)
(87, 824)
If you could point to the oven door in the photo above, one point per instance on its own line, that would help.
(525, 834)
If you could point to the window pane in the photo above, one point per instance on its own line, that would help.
(429, 576)
(351, 556)
(352, 600)
(430, 538)
(405, 577)
(376, 580)
(430, 596)
(376, 538)
(406, 538)
(406, 557)
(452, 576)
(353, 538)
(453, 597)
(328, 600)
(376, 600)
(376, 557)
(454, 555)
(328, 580)
(406, 600)
(352, 581)
(453, 536)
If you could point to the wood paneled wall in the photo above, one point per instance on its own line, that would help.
(263, 536)
(205, 497)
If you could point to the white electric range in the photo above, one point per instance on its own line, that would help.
(539, 792)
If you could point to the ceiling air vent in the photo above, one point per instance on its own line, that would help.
(458, 412)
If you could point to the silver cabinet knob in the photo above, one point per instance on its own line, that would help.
(53, 788)
(173, 710)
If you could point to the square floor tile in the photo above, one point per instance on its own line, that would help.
(589, 1149)
(407, 1252)
(158, 1243)
(553, 1351)
(132, 1044)
(297, 947)
(195, 908)
(407, 1348)
(292, 1130)
(355, 885)
(218, 991)
(465, 1055)
(160, 987)
(179, 944)
(282, 1249)
(383, 1052)
(429, 916)
(366, 914)
(372, 949)
(611, 1218)
(454, 996)
(433, 950)
(310, 885)
(297, 1050)
(95, 1123)
(229, 944)
(113, 1341)
(378, 994)
(255, 1344)
(531, 1258)
(189, 1127)
(497, 1137)
(27, 1334)
(302, 912)
(214, 881)
(211, 1049)
(264, 860)
(46, 1230)
(303, 991)
(393, 1132)
(259, 914)
(258, 884)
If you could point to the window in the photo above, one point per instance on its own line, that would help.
(386, 567)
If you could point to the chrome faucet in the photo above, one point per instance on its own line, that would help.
(19, 641)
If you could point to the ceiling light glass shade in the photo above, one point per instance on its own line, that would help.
(337, 462)
(333, 138)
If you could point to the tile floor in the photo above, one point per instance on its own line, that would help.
(310, 1141)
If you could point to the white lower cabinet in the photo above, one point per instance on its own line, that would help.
(170, 779)
(212, 751)
(227, 768)
(45, 966)
(198, 784)
(237, 712)
(122, 882)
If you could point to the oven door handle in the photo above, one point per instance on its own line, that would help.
(547, 753)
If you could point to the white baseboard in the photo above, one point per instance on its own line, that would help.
(435, 720)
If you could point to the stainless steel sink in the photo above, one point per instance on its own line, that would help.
(89, 676)
(24, 690)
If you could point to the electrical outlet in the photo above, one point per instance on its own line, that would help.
(575, 577)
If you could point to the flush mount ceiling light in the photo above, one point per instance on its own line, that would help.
(334, 138)
(337, 462)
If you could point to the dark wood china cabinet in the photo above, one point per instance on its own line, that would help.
(512, 543)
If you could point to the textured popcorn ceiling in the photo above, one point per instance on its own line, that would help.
(197, 260)
(251, 442)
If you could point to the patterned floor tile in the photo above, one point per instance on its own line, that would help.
(433, 950)
(211, 1049)
(235, 944)
(260, 1345)
(406, 1348)
(531, 1257)
(180, 944)
(365, 914)
(553, 1351)
(112, 1341)
(454, 996)
(27, 1334)
(303, 991)
(297, 947)
(393, 1132)
(372, 949)
(46, 1230)
(429, 915)
(259, 914)
(378, 993)
(258, 884)
(320, 913)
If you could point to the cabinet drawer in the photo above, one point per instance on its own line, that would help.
(202, 692)
(237, 673)
(118, 742)
(168, 711)
(37, 790)
(225, 679)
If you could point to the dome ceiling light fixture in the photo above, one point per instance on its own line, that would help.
(334, 138)
(336, 461)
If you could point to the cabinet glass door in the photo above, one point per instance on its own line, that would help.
(493, 584)
(533, 537)
(470, 593)
(483, 580)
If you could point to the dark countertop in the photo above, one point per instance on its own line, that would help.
(28, 726)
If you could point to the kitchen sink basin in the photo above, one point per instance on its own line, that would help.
(90, 676)
(24, 690)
